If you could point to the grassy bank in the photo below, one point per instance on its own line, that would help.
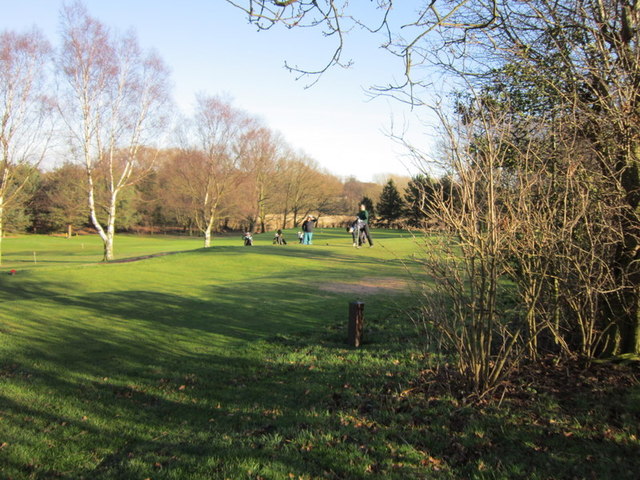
(231, 362)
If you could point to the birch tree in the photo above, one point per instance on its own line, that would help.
(208, 164)
(26, 112)
(115, 100)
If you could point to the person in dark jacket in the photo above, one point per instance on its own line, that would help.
(363, 216)
(307, 229)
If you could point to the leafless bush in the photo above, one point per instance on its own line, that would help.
(464, 304)
(523, 265)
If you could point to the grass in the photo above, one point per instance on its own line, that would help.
(231, 362)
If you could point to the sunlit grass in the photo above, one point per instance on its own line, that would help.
(232, 362)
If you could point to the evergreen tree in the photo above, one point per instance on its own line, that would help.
(419, 199)
(390, 206)
(25, 182)
(59, 205)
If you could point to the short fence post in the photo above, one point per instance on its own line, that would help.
(356, 323)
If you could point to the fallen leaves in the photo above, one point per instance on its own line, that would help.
(432, 462)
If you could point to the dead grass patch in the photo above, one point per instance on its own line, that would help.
(372, 286)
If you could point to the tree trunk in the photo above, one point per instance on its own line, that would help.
(623, 307)
(111, 229)
(207, 231)
(628, 260)
(629, 324)
(209, 216)
(108, 246)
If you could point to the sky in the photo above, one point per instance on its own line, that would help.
(211, 49)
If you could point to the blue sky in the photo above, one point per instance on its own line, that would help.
(211, 48)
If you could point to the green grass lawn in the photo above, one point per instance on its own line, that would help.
(232, 362)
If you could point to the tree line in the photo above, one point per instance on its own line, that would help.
(165, 200)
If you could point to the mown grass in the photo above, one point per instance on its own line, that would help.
(231, 362)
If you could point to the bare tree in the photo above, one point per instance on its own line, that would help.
(354, 191)
(26, 112)
(464, 302)
(173, 197)
(297, 181)
(529, 219)
(260, 151)
(211, 159)
(115, 100)
(284, 187)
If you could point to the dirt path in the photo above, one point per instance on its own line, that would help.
(386, 285)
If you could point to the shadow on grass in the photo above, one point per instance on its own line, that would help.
(346, 256)
(140, 410)
(277, 407)
(253, 380)
(23, 286)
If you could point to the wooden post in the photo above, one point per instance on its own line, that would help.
(356, 323)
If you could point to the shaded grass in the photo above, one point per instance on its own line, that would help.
(231, 362)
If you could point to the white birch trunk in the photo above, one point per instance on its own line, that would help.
(111, 228)
(208, 228)
(92, 208)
